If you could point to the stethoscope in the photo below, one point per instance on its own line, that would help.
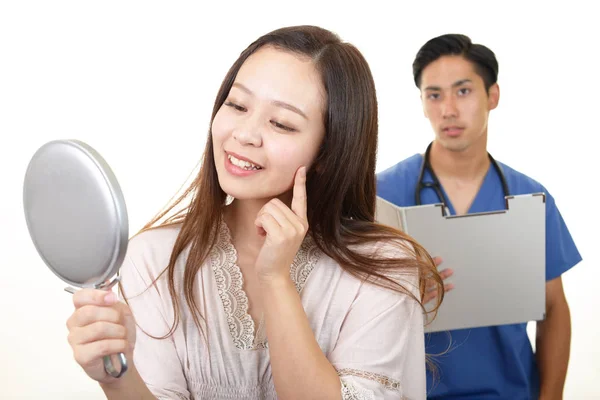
(435, 185)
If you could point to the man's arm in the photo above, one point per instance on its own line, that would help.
(553, 341)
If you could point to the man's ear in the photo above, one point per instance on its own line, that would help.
(493, 96)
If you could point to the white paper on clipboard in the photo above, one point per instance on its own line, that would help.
(498, 258)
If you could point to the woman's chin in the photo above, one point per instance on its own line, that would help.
(251, 191)
(247, 195)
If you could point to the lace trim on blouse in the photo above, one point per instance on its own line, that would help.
(387, 382)
(229, 279)
(351, 392)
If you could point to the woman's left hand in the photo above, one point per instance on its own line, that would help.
(284, 229)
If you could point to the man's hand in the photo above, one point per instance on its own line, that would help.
(430, 288)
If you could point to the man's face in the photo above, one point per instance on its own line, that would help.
(455, 102)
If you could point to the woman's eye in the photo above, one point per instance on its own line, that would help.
(281, 126)
(235, 106)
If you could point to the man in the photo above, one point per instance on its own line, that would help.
(457, 81)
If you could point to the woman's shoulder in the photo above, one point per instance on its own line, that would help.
(156, 239)
(392, 262)
(396, 248)
(152, 248)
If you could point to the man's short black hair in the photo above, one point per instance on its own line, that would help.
(482, 58)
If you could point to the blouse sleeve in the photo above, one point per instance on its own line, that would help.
(380, 352)
(156, 360)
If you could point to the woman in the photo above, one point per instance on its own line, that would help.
(274, 281)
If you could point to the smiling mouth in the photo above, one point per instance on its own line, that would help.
(248, 166)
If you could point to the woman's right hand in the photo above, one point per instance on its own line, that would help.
(100, 326)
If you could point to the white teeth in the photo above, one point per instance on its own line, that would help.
(243, 164)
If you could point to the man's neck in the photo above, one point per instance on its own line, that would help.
(469, 164)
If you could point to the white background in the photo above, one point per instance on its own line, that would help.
(136, 80)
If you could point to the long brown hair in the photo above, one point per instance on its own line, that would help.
(341, 184)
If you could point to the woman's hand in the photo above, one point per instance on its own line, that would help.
(100, 326)
(284, 229)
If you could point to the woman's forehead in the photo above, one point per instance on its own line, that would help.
(277, 75)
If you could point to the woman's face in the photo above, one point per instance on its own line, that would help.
(269, 126)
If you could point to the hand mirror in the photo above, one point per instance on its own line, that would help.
(77, 218)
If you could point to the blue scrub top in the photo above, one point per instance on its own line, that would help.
(492, 362)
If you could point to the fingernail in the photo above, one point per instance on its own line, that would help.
(110, 298)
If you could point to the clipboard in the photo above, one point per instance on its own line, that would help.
(498, 258)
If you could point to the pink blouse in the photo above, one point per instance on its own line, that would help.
(372, 336)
